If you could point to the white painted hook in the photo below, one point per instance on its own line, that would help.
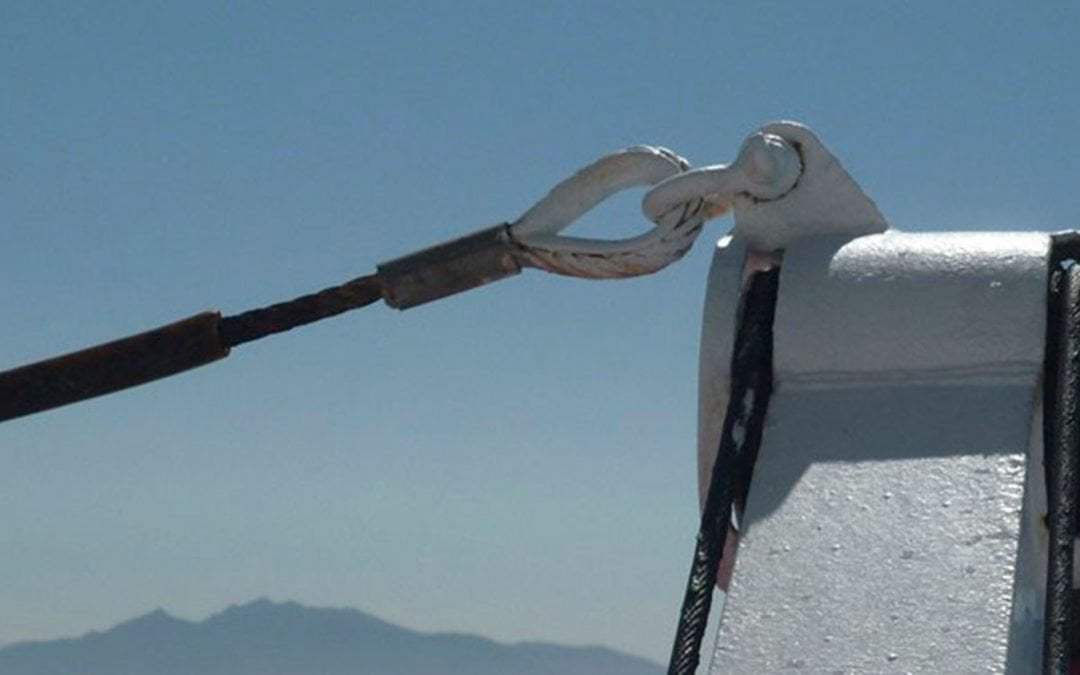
(767, 167)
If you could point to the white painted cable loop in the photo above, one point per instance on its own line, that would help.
(537, 231)
(679, 203)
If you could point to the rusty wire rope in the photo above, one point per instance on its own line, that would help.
(283, 316)
(168, 350)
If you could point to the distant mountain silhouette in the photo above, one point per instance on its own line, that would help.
(268, 638)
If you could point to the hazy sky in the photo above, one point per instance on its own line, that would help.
(518, 461)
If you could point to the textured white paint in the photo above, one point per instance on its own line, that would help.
(883, 525)
(902, 307)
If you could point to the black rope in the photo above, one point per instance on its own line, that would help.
(751, 374)
(258, 323)
(1062, 387)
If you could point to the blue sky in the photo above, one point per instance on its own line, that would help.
(518, 461)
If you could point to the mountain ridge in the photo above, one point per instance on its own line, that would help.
(286, 638)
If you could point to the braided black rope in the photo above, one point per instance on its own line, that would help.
(751, 380)
(257, 323)
(1061, 644)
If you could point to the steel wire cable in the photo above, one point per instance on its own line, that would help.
(283, 316)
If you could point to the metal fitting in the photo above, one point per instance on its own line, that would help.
(449, 268)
